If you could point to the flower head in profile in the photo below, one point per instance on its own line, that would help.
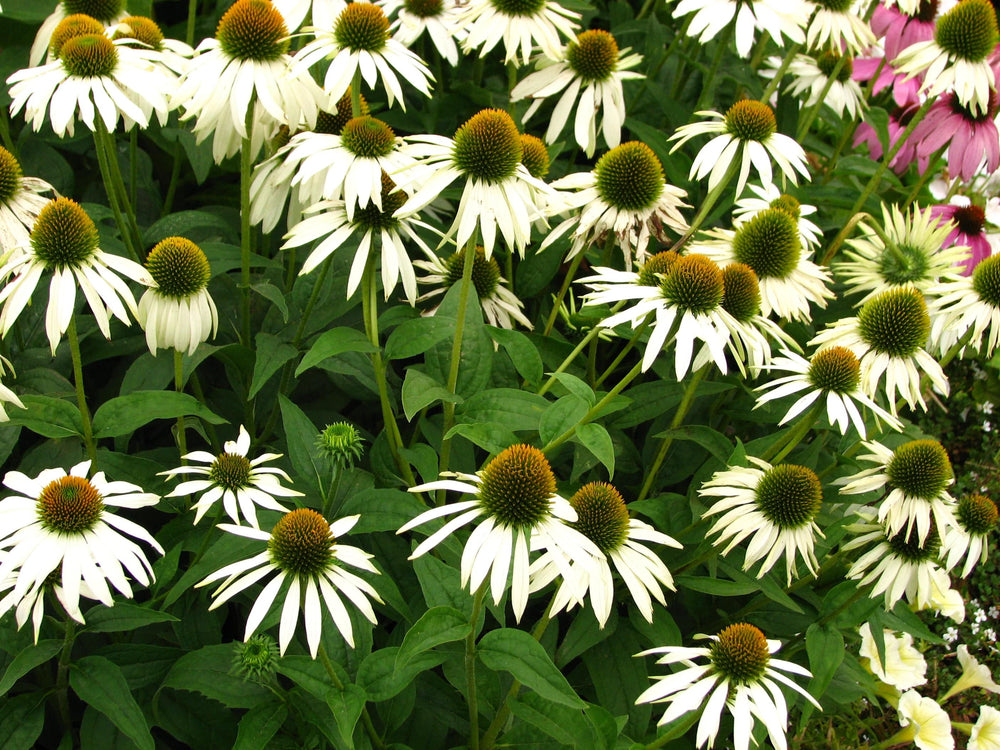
(888, 337)
(244, 76)
(775, 507)
(104, 12)
(499, 193)
(916, 476)
(986, 731)
(839, 24)
(904, 666)
(64, 242)
(740, 674)
(625, 196)
(968, 310)
(747, 132)
(770, 243)
(603, 518)
(328, 222)
(814, 75)
(308, 565)
(517, 511)
(957, 58)
(522, 26)
(501, 306)
(178, 313)
(359, 42)
(20, 202)
(588, 75)
(95, 81)
(681, 296)
(60, 524)
(905, 252)
(924, 723)
(341, 443)
(779, 18)
(832, 374)
(977, 517)
(242, 484)
(171, 53)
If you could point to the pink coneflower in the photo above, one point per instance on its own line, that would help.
(970, 222)
(904, 90)
(897, 124)
(970, 138)
(899, 30)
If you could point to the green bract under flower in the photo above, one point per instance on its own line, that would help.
(70, 505)
(534, 156)
(920, 468)
(601, 515)
(104, 11)
(593, 55)
(986, 280)
(968, 31)
(301, 543)
(488, 146)
(657, 267)
(230, 471)
(694, 283)
(909, 548)
(63, 234)
(10, 176)
(517, 487)
(424, 8)
(368, 137)
(789, 496)
(740, 653)
(769, 243)
(89, 56)
(485, 272)
(741, 292)
(827, 62)
(179, 267)
(903, 264)
(629, 177)
(76, 25)
(895, 322)
(362, 26)
(518, 7)
(835, 369)
(750, 120)
(977, 514)
(141, 28)
(253, 30)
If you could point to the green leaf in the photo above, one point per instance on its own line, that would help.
(300, 435)
(513, 408)
(381, 509)
(515, 651)
(26, 660)
(715, 586)
(491, 436)
(47, 416)
(182, 224)
(825, 647)
(380, 678)
(565, 725)
(274, 295)
(417, 336)
(22, 719)
(420, 390)
(207, 671)
(334, 342)
(577, 387)
(99, 683)
(521, 351)
(124, 616)
(561, 416)
(711, 440)
(309, 674)
(259, 725)
(125, 414)
(767, 585)
(272, 353)
(441, 585)
(438, 625)
(346, 705)
(595, 438)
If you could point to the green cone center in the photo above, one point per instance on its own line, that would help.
(789, 496)
(968, 31)
(977, 514)
(593, 56)
(601, 515)
(78, 24)
(517, 487)
(89, 56)
(378, 219)
(741, 292)
(986, 280)
(657, 267)
(920, 468)
(769, 243)
(362, 26)
(141, 28)
(368, 137)
(694, 283)
(230, 471)
(63, 235)
(69, 505)
(895, 322)
(253, 30)
(750, 120)
(909, 548)
(629, 177)
(835, 369)
(740, 653)
(104, 11)
(535, 156)
(485, 272)
(10, 176)
(518, 7)
(179, 267)
(301, 543)
(488, 146)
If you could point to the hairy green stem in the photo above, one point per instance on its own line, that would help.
(625, 350)
(179, 387)
(557, 302)
(794, 436)
(708, 85)
(81, 394)
(814, 111)
(246, 166)
(780, 73)
(107, 161)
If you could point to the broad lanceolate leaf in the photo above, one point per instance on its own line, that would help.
(125, 414)
(100, 684)
(515, 651)
(438, 625)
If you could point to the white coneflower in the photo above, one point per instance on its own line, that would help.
(20, 202)
(522, 25)
(813, 76)
(438, 19)
(839, 24)
(768, 196)
(779, 18)
(969, 306)
(104, 12)
(969, 538)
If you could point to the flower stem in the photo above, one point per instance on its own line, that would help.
(366, 719)
(62, 677)
(246, 164)
(625, 350)
(192, 16)
(179, 387)
(794, 436)
(591, 335)
(708, 85)
(470, 668)
(682, 409)
(81, 395)
(107, 160)
(876, 178)
(780, 73)
(815, 109)
(567, 280)
(931, 171)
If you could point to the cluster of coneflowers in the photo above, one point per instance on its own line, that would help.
(923, 280)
